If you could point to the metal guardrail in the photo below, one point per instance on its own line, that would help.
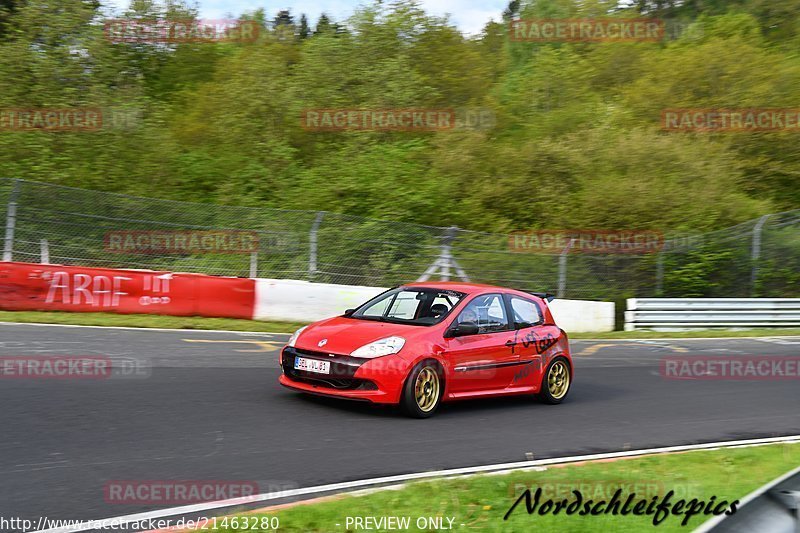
(774, 508)
(663, 314)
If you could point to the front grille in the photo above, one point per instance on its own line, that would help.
(342, 372)
(317, 355)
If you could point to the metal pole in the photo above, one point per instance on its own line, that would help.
(755, 253)
(254, 264)
(45, 255)
(11, 222)
(312, 245)
(562, 270)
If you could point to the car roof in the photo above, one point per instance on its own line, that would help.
(468, 288)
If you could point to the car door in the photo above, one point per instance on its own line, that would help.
(484, 360)
(532, 340)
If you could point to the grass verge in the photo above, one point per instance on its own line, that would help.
(232, 324)
(146, 321)
(479, 503)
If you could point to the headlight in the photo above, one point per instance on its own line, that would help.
(294, 336)
(386, 346)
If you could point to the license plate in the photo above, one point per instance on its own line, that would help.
(312, 365)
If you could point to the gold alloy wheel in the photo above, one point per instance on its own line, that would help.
(558, 380)
(426, 389)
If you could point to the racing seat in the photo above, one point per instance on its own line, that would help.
(438, 310)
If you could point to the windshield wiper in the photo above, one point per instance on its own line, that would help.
(373, 318)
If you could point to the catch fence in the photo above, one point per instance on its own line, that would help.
(64, 225)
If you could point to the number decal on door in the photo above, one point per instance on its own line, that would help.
(541, 342)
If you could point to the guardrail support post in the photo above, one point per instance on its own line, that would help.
(11, 222)
(755, 253)
(312, 245)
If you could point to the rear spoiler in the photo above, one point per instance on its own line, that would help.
(543, 295)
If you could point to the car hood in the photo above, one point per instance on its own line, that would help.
(344, 335)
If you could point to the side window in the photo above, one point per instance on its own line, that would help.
(487, 311)
(526, 313)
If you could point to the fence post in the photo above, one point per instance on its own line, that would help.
(254, 264)
(312, 245)
(11, 222)
(562, 270)
(45, 255)
(755, 253)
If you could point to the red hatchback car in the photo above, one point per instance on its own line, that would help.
(424, 343)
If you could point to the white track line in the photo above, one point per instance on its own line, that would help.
(348, 485)
(128, 328)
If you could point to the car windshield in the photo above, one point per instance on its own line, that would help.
(420, 306)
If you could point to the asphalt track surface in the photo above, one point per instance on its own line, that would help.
(207, 406)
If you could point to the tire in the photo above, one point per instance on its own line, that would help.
(422, 392)
(556, 381)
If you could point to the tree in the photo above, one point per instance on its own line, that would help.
(324, 25)
(576, 139)
(511, 11)
(283, 18)
(304, 30)
(7, 9)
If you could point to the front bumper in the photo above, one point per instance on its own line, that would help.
(378, 380)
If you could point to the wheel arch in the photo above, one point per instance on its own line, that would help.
(439, 363)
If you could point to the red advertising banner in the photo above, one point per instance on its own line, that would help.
(35, 287)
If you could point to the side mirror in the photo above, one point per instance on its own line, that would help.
(462, 329)
(349, 312)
